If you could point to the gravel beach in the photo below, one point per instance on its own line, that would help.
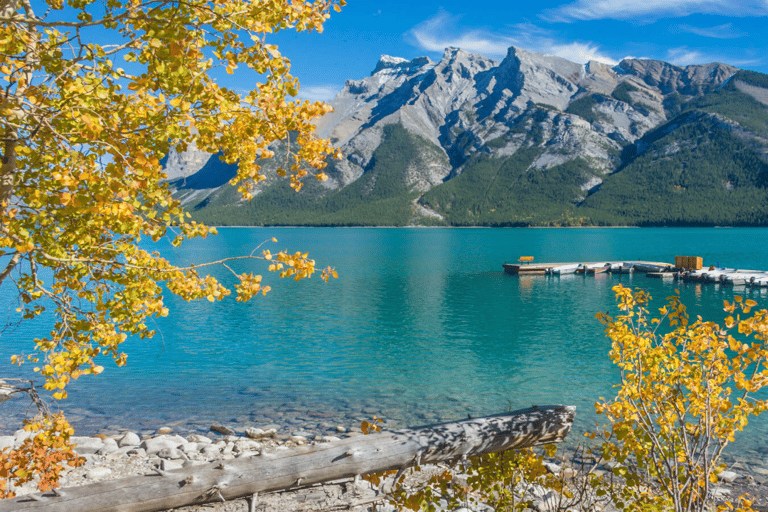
(112, 456)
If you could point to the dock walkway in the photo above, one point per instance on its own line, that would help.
(721, 275)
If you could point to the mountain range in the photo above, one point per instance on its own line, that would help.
(531, 140)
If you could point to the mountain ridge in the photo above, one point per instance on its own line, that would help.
(554, 130)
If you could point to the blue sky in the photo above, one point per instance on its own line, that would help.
(682, 32)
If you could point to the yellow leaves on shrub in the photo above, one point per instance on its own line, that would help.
(674, 401)
(41, 456)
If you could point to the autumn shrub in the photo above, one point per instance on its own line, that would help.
(685, 390)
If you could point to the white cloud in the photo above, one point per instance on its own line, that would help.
(725, 31)
(653, 9)
(580, 52)
(682, 56)
(318, 92)
(442, 31)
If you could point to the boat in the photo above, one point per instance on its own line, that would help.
(660, 275)
(652, 267)
(598, 270)
(715, 276)
(589, 268)
(563, 269)
(622, 268)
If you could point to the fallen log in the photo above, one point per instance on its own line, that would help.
(285, 469)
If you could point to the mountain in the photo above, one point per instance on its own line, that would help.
(531, 140)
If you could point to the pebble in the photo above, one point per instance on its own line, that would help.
(168, 465)
(164, 430)
(221, 429)
(727, 476)
(155, 444)
(129, 439)
(99, 473)
(86, 445)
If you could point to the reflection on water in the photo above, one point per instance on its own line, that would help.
(421, 326)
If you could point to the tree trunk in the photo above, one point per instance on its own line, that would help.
(308, 465)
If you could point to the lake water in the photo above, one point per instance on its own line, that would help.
(421, 326)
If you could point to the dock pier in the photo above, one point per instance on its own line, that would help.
(660, 270)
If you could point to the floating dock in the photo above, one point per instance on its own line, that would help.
(653, 269)
(615, 266)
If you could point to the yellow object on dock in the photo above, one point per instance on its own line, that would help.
(689, 262)
(525, 259)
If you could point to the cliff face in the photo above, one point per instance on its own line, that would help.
(567, 125)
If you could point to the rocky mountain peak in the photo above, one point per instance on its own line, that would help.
(540, 78)
(668, 78)
(399, 64)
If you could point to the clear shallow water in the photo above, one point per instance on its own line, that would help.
(422, 326)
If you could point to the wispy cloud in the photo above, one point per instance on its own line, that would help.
(683, 56)
(653, 9)
(726, 31)
(439, 32)
(318, 92)
(443, 31)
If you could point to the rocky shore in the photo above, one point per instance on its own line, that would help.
(115, 455)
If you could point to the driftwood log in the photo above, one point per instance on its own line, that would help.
(285, 469)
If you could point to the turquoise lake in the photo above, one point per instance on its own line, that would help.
(422, 326)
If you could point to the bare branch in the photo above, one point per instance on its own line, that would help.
(15, 259)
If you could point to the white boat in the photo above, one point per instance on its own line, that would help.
(694, 275)
(622, 268)
(563, 269)
(716, 274)
(650, 267)
(734, 279)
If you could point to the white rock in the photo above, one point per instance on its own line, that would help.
(120, 453)
(169, 453)
(168, 465)
(129, 439)
(211, 452)
(22, 435)
(155, 444)
(727, 476)
(86, 445)
(254, 433)
(6, 442)
(246, 454)
(98, 473)
(197, 438)
(552, 468)
(340, 429)
(245, 445)
(108, 448)
(190, 448)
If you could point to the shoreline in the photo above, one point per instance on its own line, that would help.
(127, 454)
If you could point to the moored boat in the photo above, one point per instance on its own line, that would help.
(563, 269)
